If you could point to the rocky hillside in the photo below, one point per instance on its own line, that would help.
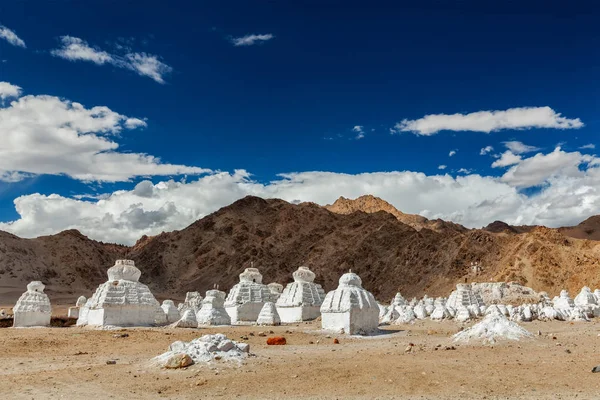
(277, 236)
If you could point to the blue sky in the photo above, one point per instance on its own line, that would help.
(295, 99)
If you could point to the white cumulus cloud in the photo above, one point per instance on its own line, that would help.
(442, 166)
(489, 121)
(567, 198)
(8, 90)
(11, 37)
(507, 158)
(48, 135)
(143, 64)
(249, 40)
(589, 146)
(452, 152)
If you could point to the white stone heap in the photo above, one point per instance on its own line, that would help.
(247, 298)
(350, 308)
(206, 349)
(269, 315)
(33, 307)
(122, 300)
(301, 300)
(212, 311)
(74, 311)
(193, 301)
(171, 312)
(493, 327)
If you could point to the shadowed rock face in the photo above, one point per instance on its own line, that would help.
(277, 236)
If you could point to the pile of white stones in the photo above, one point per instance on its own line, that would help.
(206, 349)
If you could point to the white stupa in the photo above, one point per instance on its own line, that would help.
(301, 300)
(122, 300)
(73, 312)
(464, 296)
(350, 308)
(269, 315)
(33, 307)
(193, 301)
(399, 300)
(187, 320)
(585, 298)
(564, 301)
(171, 312)
(212, 311)
(247, 298)
(276, 290)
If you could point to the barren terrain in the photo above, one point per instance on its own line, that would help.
(70, 363)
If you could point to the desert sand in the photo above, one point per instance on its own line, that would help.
(70, 363)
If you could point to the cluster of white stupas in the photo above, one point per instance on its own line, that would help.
(123, 301)
(465, 304)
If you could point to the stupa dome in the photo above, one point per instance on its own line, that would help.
(36, 286)
(124, 270)
(303, 274)
(350, 279)
(251, 275)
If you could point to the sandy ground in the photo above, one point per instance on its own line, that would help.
(70, 363)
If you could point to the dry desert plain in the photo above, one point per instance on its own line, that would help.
(70, 363)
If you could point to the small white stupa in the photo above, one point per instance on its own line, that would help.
(585, 298)
(73, 312)
(247, 298)
(122, 300)
(268, 315)
(301, 300)
(193, 301)
(187, 320)
(564, 302)
(212, 311)
(350, 308)
(33, 307)
(171, 312)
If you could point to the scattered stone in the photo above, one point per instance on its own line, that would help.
(121, 335)
(262, 334)
(276, 341)
(336, 341)
(111, 362)
(205, 349)
(180, 360)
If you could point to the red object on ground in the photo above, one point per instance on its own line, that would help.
(335, 341)
(276, 341)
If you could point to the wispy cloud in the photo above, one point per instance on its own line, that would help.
(76, 49)
(588, 146)
(250, 40)
(11, 37)
(486, 150)
(359, 130)
(442, 166)
(520, 147)
(489, 121)
(143, 64)
(452, 152)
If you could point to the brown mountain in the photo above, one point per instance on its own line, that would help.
(278, 236)
(371, 204)
(68, 263)
(588, 229)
